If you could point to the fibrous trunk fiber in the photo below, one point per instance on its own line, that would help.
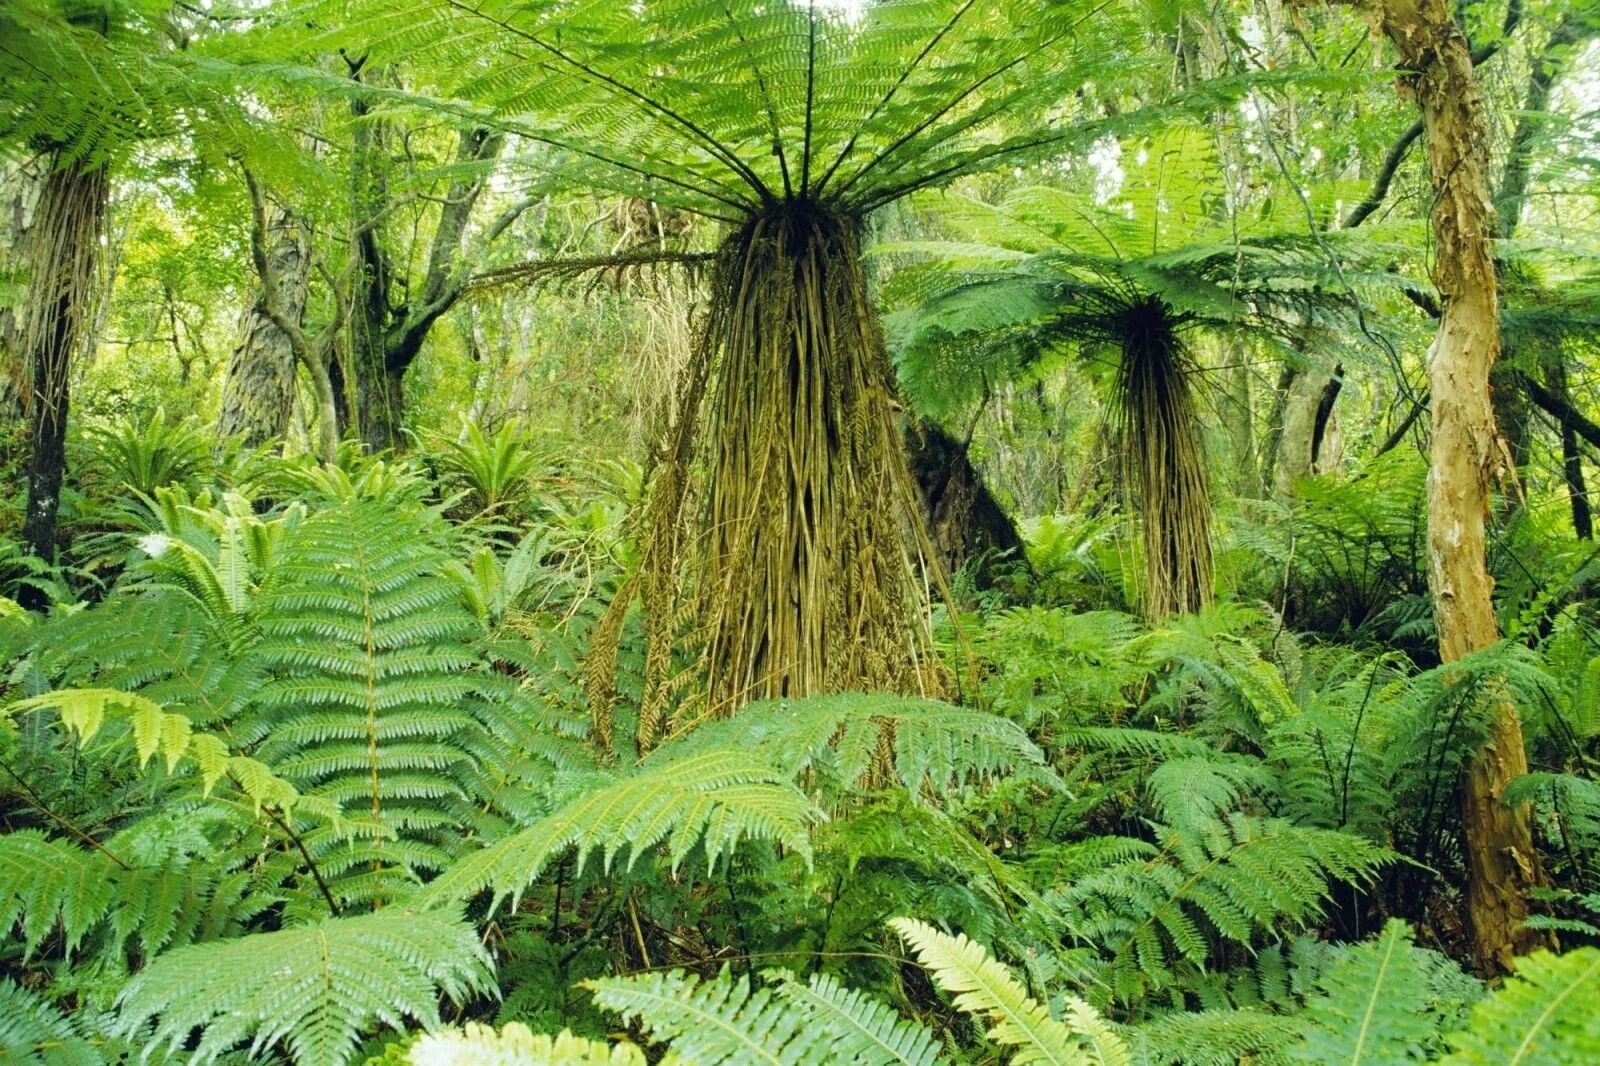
(811, 573)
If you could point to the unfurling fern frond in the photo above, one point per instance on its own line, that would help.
(1544, 1015)
(985, 988)
(713, 801)
(725, 1021)
(517, 1045)
(317, 988)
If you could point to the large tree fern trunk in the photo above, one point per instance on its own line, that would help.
(811, 575)
(58, 322)
(258, 389)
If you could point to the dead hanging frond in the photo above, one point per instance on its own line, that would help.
(618, 267)
(1155, 427)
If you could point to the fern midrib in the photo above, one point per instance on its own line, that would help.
(372, 698)
(1550, 1008)
(1372, 1000)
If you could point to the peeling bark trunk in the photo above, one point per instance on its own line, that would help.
(258, 390)
(58, 326)
(1465, 453)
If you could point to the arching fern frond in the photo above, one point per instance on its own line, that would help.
(725, 1020)
(1543, 1014)
(934, 746)
(317, 988)
(1239, 879)
(154, 731)
(712, 801)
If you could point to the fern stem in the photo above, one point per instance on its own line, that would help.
(300, 845)
(32, 799)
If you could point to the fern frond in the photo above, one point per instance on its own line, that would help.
(316, 988)
(1374, 1005)
(155, 731)
(725, 1021)
(517, 1045)
(1543, 1014)
(985, 988)
(35, 1033)
(712, 801)
(935, 745)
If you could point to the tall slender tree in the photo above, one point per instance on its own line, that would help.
(1466, 452)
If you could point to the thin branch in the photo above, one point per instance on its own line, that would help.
(1380, 184)
(316, 873)
(1568, 415)
(33, 799)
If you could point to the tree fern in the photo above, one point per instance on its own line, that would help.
(724, 1021)
(316, 988)
(985, 988)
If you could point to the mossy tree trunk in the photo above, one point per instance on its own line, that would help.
(258, 388)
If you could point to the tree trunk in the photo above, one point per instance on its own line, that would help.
(1307, 415)
(965, 522)
(1241, 426)
(258, 390)
(58, 324)
(1555, 379)
(1465, 452)
(814, 568)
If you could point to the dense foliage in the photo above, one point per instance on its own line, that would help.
(886, 532)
